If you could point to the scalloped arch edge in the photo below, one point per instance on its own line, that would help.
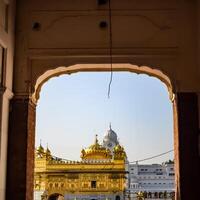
(60, 70)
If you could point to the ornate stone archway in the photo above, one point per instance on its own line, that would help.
(27, 104)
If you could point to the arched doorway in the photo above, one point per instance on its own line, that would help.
(64, 95)
(117, 197)
(79, 68)
(40, 78)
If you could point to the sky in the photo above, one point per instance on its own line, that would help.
(72, 109)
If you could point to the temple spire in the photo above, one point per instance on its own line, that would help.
(96, 139)
(110, 126)
(47, 146)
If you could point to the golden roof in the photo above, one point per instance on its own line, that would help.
(96, 151)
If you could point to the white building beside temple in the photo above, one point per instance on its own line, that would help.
(155, 180)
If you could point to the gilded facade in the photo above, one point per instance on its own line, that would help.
(100, 174)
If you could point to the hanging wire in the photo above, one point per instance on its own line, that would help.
(110, 48)
(152, 157)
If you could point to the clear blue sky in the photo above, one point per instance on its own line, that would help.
(73, 108)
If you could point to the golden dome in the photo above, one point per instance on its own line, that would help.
(96, 151)
(40, 149)
(41, 153)
(118, 147)
(48, 154)
(119, 153)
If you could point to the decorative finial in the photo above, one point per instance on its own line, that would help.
(96, 140)
(40, 148)
(110, 126)
(48, 152)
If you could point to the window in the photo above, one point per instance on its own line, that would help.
(93, 184)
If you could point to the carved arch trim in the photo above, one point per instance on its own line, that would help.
(60, 70)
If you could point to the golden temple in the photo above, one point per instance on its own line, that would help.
(99, 175)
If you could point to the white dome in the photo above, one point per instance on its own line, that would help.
(111, 136)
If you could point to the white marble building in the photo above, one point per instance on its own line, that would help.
(155, 180)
